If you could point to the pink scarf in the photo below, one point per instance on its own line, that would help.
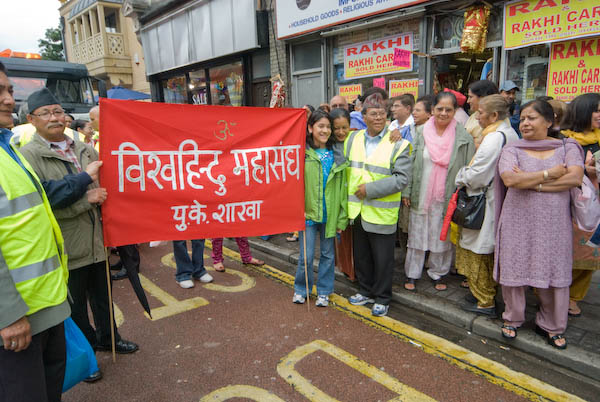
(440, 150)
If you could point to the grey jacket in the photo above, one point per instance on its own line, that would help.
(79, 220)
(462, 153)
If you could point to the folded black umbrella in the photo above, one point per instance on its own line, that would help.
(130, 257)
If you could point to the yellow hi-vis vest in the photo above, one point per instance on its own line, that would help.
(23, 133)
(31, 243)
(363, 169)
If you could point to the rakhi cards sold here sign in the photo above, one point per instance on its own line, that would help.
(376, 57)
(530, 22)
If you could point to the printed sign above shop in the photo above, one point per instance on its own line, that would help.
(574, 69)
(401, 87)
(350, 92)
(377, 57)
(530, 22)
(303, 16)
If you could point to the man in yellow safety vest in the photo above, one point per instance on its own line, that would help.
(379, 169)
(33, 276)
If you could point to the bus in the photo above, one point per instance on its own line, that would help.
(69, 82)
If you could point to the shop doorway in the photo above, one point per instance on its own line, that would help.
(261, 93)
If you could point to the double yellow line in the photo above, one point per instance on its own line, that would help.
(494, 372)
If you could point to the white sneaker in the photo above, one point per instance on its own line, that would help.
(298, 299)
(206, 278)
(322, 301)
(187, 284)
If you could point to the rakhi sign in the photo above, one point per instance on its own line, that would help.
(573, 69)
(401, 87)
(376, 57)
(178, 172)
(351, 92)
(529, 22)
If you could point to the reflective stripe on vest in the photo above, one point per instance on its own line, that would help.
(31, 243)
(19, 204)
(363, 169)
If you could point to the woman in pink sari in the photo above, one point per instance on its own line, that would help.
(441, 148)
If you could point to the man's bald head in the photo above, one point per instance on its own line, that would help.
(338, 102)
(95, 117)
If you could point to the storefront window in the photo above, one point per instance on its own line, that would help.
(227, 84)
(374, 34)
(528, 68)
(198, 87)
(174, 90)
(307, 56)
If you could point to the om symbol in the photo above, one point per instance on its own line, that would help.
(225, 132)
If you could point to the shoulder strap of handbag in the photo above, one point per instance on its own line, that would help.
(503, 144)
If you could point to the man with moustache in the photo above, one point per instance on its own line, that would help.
(33, 276)
(68, 170)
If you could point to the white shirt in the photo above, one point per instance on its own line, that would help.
(395, 125)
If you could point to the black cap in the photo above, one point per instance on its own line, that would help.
(40, 98)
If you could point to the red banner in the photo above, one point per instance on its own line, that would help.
(178, 172)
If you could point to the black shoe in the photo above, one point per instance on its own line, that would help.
(117, 266)
(122, 347)
(122, 274)
(470, 298)
(472, 307)
(94, 377)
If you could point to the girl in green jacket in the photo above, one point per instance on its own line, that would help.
(323, 194)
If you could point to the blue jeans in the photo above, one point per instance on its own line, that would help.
(186, 267)
(326, 261)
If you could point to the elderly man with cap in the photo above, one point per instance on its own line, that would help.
(508, 89)
(33, 276)
(68, 170)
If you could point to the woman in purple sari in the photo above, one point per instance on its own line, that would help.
(534, 230)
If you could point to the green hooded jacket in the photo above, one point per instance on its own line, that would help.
(336, 199)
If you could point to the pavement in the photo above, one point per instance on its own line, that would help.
(583, 333)
(242, 337)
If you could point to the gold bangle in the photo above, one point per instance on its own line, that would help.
(546, 175)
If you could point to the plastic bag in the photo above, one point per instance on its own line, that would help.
(81, 360)
(585, 206)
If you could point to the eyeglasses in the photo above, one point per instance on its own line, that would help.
(45, 115)
(377, 115)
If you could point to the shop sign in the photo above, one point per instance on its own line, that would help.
(401, 87)
(351, 92)
(376, 57)
(379, 82)
(574, 69)
(530, 22)
(302, 16)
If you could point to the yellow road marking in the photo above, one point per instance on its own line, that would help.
(286, 369)
(171, 306)
(494, 372)
(247, 281)
(241, 391)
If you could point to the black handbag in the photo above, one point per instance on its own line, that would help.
(470, 209)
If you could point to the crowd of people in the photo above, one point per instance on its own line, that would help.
(402, 160)
(366, 177)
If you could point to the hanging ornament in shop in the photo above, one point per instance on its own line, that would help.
(474, 36)
(278, 92)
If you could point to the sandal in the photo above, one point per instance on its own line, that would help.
(219, 267)
(410, 284)
(551, 339)
(293, 237)
(464, 284)
(510, 328)
(574, 310)
(439, 285)
(255, 262)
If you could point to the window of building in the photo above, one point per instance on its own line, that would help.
(111, 20)
(528, 68)
(198, 88)
(174, 90)
(227, 84)
(307, 56)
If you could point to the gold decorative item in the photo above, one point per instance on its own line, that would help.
(474, 35)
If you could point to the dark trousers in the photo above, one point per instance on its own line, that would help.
(130, 257)
(373, 262)
(35, 374)
(89, 284)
